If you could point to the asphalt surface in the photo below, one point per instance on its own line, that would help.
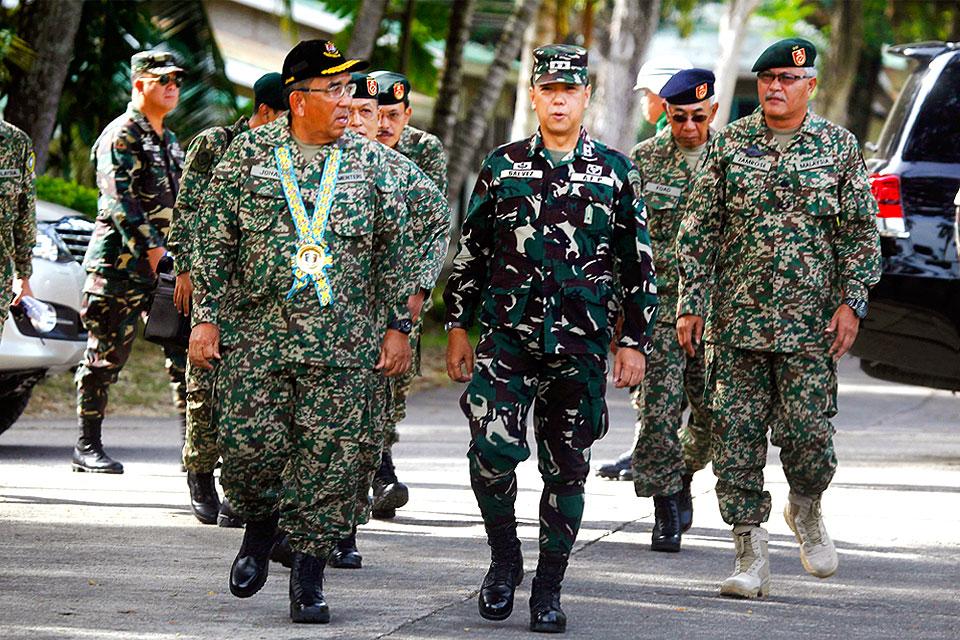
(95, 556)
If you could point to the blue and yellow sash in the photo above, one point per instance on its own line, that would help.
(312, 258)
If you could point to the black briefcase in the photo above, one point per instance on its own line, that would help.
(165, 325)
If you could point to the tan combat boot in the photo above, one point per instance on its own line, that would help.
(751, 572)
(817, 553)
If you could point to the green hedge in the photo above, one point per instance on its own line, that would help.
(69, 194)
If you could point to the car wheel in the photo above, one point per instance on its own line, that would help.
(15, 391)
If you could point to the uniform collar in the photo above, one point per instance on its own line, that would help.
(756, 126)
(137, 116)
(667, 145)
(585, 148)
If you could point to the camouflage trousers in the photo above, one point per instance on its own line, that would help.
(370, 463)
(793, 395)
(570, 413)
(200, 451)
(664, 449)
(401, 384)
(297, 435)
(111, 323)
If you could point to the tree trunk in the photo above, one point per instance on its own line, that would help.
(366, 28)
(539, 32)
(471, 131)
(613, 114)
(49, 27)
(733, 26)
(863, 92)
(406, 36)
(447, 107)
(841, 62)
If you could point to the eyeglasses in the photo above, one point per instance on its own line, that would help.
(786, 79)
(167, 78)
(335, 91)
(680, 118)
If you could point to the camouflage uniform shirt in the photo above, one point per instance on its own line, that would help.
(426, 151)
(785, 234)
(18, 227)
(549, 250)
(251, 240)
(138, 174)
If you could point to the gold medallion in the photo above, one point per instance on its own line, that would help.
(310, 259)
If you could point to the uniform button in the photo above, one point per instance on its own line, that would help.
(784, 183)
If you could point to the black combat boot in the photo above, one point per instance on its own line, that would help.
(505, 573)
(307, 603)
(282, 552)
(619, 469)
(666, 528)
(89, 455)
(546, 616)
(685, 504)
(345, 554)
(389, 494)
(227, 517)
(204, 501)
(250, 567)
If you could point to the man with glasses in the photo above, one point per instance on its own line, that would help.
(138, 164)
(665, 453)
(306, 220)
(779, 229)
(200, 452)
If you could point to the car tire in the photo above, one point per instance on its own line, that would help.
(15, 392)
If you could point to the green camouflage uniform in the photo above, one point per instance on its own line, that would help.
(297, 396)
(200, 453)
(546, 252)
(665, 449)
(18, 216)
(138, 174)
(779, 237)
(426, 151)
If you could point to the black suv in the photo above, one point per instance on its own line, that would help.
(912, 331)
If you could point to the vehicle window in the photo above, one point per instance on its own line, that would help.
(935, 136)
(893, 127)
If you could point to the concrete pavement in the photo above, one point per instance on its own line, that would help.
(93, 556)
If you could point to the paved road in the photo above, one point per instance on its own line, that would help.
(90, 556)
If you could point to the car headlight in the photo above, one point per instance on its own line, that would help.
(42, 315)
(49, 245)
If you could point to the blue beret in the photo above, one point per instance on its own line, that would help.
(792, 52)
(688, 86)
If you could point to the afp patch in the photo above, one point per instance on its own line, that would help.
(331, 50)
(701, 91)
(799, 56)
(398, 90)
(372, 87)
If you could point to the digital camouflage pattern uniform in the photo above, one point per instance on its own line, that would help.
(200, 453)
(546, 251)
(426, 151)
(665, 449)
(296, 393)
(138, 175)
(18, 215)
(779, 237)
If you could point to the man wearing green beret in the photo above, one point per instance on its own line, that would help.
(200, 452)
(780, 229)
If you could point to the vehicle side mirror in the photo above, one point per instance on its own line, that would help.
(872, 147)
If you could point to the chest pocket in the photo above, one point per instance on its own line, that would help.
(263, 254)
(590, 207)
(820, 191)
(350, 239)
(662, 215)
(513, 203)
(744, 186)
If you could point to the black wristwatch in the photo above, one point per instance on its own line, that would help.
(452, 325)
(403, 326)
(859, 306)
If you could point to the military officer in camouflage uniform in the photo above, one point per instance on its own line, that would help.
(138, 165)
(780, 228)
(306, 219)
(651, 78)
(200, 452)
(426, 151)
(554, 246)
(18, 215)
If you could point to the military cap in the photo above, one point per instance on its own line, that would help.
(688, 86)
(367, 87)
(655, 73)
(394, 87)
(154, 61)
(314, 59)
(560, 63)
(268, 90)
(792, 52)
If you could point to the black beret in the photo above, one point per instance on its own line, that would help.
(268, 90)
(792, 52)
(394, 87)
(316, 58)
(688, 86)
(367, 87)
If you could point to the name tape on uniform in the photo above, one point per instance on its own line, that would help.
(518, 173)
(261, 171)
(9, 173)
(353, 176)
(813, 163)
(587, 177)
(662, 189)
(761, 164)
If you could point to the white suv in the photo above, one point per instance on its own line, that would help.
(26, 355)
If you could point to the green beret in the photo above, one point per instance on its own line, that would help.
(792, 52)
(394, 88)
(367, 87)
(560, 63)
(268, 90)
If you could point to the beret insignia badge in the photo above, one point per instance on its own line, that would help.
(701, 91)
(799, 56)
(372, 87)
(398, 90)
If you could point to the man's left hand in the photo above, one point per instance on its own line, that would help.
(182, 292)
(629, 367)
(395, 354)
(844, 325)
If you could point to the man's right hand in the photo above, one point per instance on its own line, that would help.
(204, 345)
(182, 292)
(459, 356)
(689, 333)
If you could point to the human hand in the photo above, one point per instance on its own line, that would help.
(629, 367)
(182, 293)
(204, 345)
(459, 356)
(689, 333)
(395, 354)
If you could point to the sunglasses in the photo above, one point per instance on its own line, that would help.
(167, 78)
(786, 79)
(680, 118)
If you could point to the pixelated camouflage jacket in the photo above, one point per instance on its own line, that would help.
(785, 234)
(18, 216)
(250, 245)
(203, 154)
(138, 174)
(550, 250)
(426, 151)
(428, 218)
(665, 177)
